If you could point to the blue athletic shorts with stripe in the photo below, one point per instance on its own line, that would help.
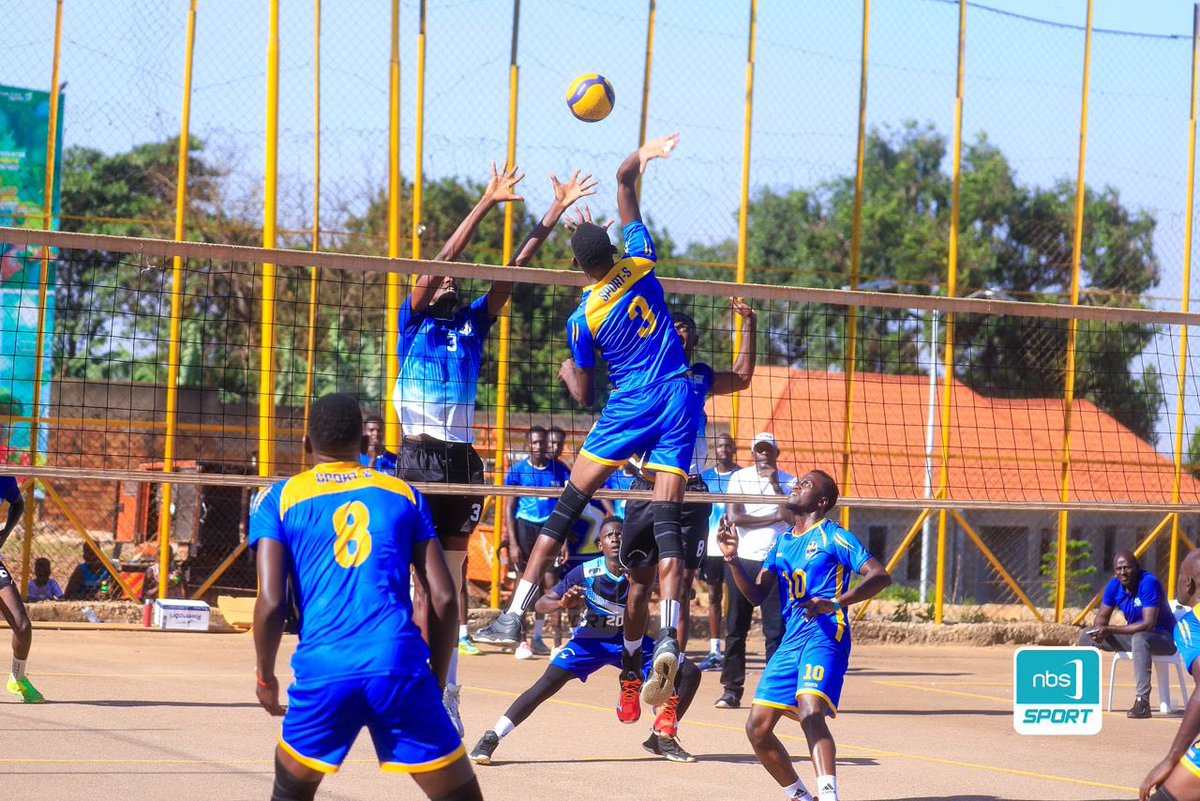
(658, 420)
(408, 724)
(583, 656)
(1191, 760)
(814, 665)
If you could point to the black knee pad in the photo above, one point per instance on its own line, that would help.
(468, 792)
(668, 533)
(289, 788)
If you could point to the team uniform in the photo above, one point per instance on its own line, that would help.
(598, 640)
(384, 462)
(1187, 640)
(11, 493)
(533, 512)
(350, 533)
(712, 569)
(814, 654)
(440, 360)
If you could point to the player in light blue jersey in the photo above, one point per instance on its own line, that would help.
(347, 536)
(441, 354)
(1177, 777)
(651, 411)
(11, 605)
(810, 567)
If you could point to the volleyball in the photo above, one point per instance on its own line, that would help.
(590, 97)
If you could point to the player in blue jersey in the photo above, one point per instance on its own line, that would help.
(527, 515)
(1177, 777)
(639, 521)
(11, 605)
(810, 567)
(712, 569)
(347, 536)
(601, 587)
(624, 315)
(377, 455)
(441, 354)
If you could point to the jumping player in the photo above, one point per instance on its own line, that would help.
(11, 605)
(1177, 777)
(441, 354)
(600, 586)
(809, 566)
(347, 535)
(639, 521)
(624, 315)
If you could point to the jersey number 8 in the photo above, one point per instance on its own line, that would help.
(351, 521)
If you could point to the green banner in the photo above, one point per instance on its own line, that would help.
(24, 129)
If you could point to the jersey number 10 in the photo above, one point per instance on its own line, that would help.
(797, 584)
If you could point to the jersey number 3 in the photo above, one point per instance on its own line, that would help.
(638, 307)
(353, 544)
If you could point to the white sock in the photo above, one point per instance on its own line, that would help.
(18, 668)
(633, 646)
(539, 627)
(521, 597)
(827, 787)
(452, 672)
(714, 646)
(669, 614)
(503, 727)
(797, 786)
(462, 631)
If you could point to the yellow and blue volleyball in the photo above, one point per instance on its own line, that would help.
(590, 97)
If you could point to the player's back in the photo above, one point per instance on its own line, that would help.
(625, 316)
(349, 532)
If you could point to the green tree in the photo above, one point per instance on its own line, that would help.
(1079, 572)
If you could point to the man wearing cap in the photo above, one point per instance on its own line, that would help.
(758, 526)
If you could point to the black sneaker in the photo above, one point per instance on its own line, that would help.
(507, 629)
(728, 701)
(1140, 708)
(661, 681)
(668, 747)
(481, 754)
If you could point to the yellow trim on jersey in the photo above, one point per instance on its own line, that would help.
(600, 459)
(791, 711)
(425, 767)
(309, 484)
(810, 528)
(308, 762)
(840, 540)
(838, 613)
(662, 468)
(605, 293)
(1187, 763)
(819, 694)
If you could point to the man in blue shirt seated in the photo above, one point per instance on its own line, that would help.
(1148, 623)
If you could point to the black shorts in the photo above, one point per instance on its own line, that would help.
(637, 538)
(527, 534)
(434, 462)
(712, 570)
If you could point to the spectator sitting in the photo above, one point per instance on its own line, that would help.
(175, 588)
(88, 582)
(43, 588)
(1148, 627)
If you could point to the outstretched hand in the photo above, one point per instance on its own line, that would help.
(578, 217)
(573, 598)
(727, 538)
(657, 149)
(740, 306)
(501, 187)
(566, 194)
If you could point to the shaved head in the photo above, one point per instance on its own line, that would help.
(1130, 557)
(1189, 580)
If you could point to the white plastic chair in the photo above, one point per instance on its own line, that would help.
(1162, 669)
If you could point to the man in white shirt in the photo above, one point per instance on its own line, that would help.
(758, 525)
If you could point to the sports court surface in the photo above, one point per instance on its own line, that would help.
(152, 715)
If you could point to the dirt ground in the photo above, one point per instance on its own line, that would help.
(154, 715)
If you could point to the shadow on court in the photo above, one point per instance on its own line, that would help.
(932, 713)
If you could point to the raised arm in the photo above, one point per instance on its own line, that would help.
(632, 167)
(755, 590)
(501, 188)
(564, 196)
(441, 632)
(739, 378)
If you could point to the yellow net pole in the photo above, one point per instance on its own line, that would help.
(177, 285)
(855, 263)
(419, 144)
(939, 598)
(266, 376)
(744, 210)
(43, 286)
(395, 283)
(1173, 572)
(1064, 516)
(646, 82)
(514, 76)
(314, 276)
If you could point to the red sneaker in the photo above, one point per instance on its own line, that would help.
(667, 722)
(630, 707)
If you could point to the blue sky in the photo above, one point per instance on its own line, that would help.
(123, 62)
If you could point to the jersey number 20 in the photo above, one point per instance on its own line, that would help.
(353, 544)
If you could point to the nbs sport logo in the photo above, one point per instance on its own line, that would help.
(1056, 691)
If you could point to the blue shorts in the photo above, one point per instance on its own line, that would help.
(583, 656)
(1191, 760)
(408, 724)
(658, 421)
(815, 665)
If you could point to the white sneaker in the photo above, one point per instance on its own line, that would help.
(523, 651)
(450, 700)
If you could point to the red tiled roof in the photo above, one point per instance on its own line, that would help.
(999, 449)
